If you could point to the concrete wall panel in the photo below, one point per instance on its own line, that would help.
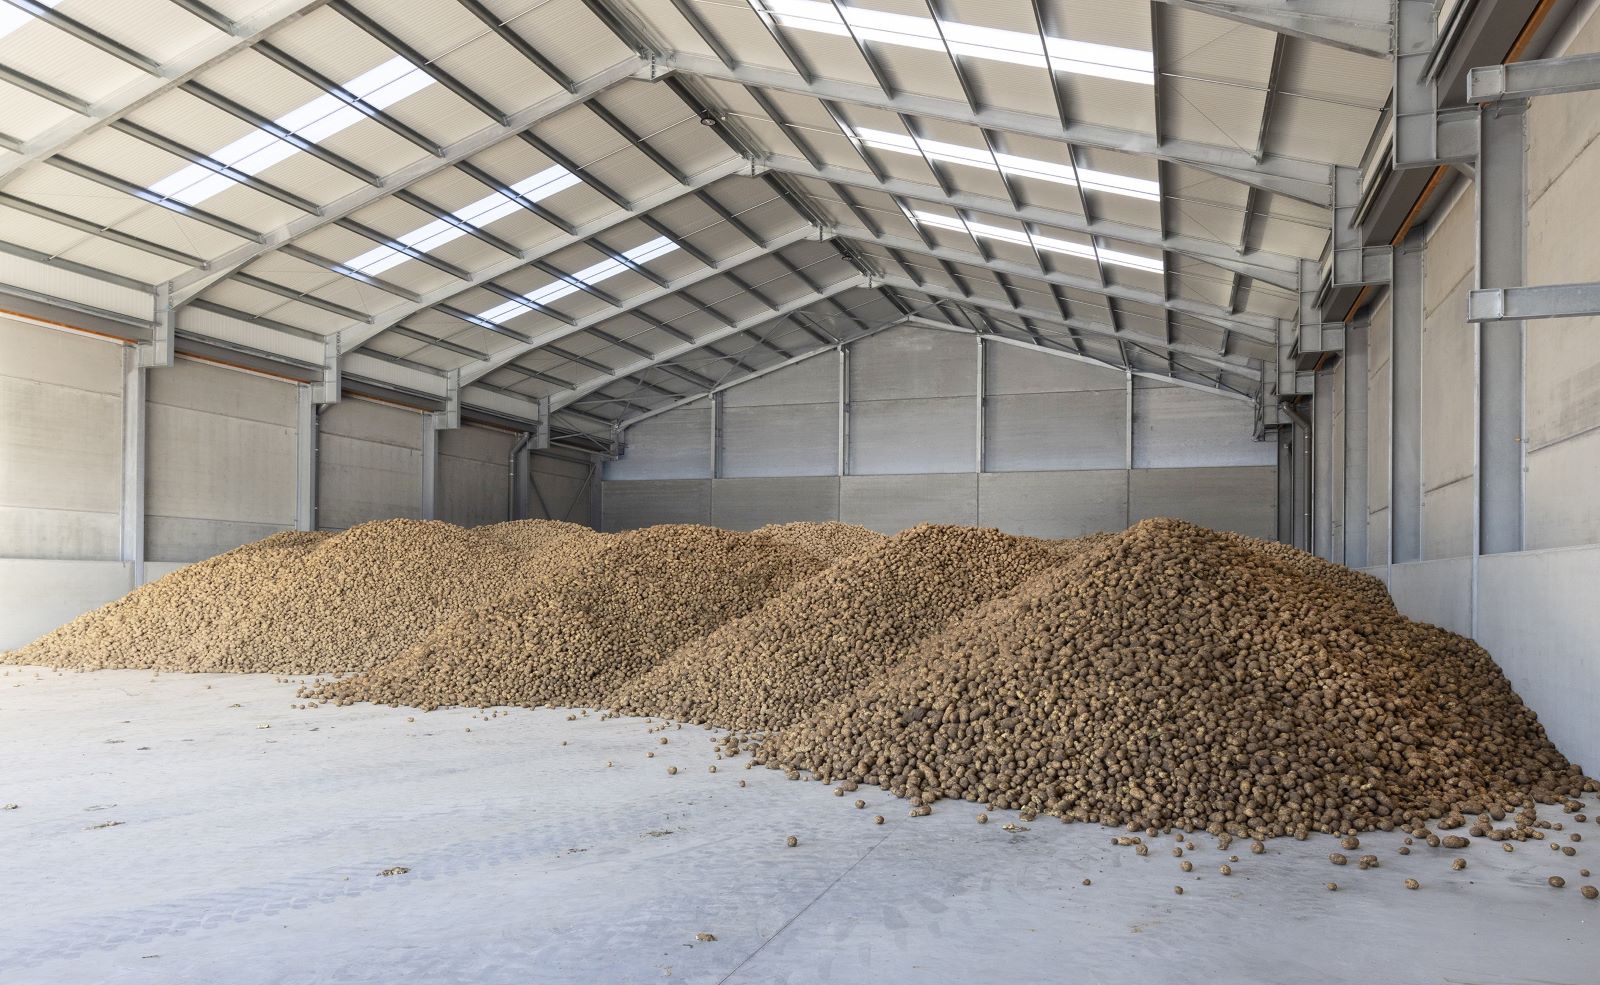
(1053, 504)
(1084, 429)
(1538, 618)
(46, 355)
(216, 467)
(1176, 427)
(181, 539)
(62, 447)
(745, 504)
(645, 503)
(891, 503)
(674, 445)
(1437, 592)
(59, 534)
(911, 362)
(371, 464)
(891, 437)
(1447, 520)
(815, 381)
(1562, 491)
(42, 594)
(564, 490)
(474, 475)
(792, 439)
(60, 443)
(1238, 499)
(1015, 370)
(1378, 535)
(218, 390)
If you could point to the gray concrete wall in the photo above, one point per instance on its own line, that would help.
(370, 464)
(220, 469)
(60, 444)
(1563, 356)
(564, 489)
(1448, 386)
(1379, 400)
(1055, 447)
(475, 475)
(1535, 614)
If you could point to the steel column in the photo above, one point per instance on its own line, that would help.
(1127, 421)
(844, 411)
(305, 459)
(714, 404)
(1405, 405)
(1322, 477)
(978, 450)
(134, 379)
(1355, 447)
(1286, 510)
(1502, 215)
(430, 468)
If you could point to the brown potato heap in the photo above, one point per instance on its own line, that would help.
(1175, 676)
(187, 620)
(604, 611)
(831, 540)
(300, 603)
(828, 635)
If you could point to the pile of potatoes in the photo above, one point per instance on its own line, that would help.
(306, 603)
(604, 611)
(1172, 676)
(828, 635)
(1164, 676)
(831, 539)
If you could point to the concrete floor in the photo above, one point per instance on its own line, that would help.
(244, 853)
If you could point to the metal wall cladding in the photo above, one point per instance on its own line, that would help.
(645, 503)
(902, 436)
(1243, 500)
(1054, 504)
(1176, 427)
(891, 503)
(1085, 429)
(745, 504)
(370, 464)
(913, 363)
(798, 439)
(674, 445)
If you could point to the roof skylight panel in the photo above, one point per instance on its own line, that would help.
(12, 18)
(1025, 167)
(964, 40)
(480, 213)
(1048, 243)
(604, 270)
(316, 121)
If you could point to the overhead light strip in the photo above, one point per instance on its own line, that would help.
(315, 121)
(964, 40)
